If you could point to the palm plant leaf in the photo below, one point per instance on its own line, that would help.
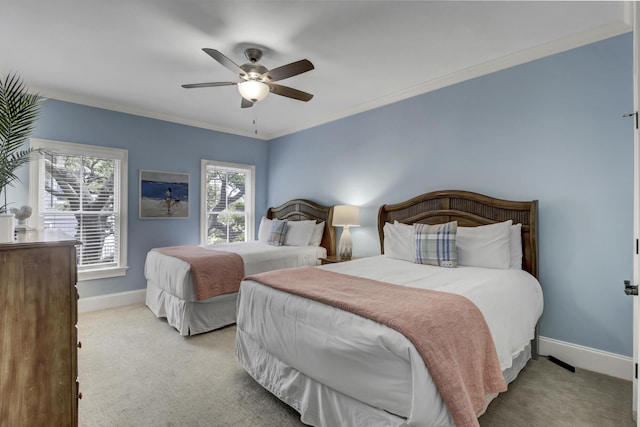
(19, 111)
(10, 164)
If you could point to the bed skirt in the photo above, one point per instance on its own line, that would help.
(320, 405)
(191, 318)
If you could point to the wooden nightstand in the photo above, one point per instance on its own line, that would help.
(334, 259)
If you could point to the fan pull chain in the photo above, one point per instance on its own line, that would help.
(255, 120)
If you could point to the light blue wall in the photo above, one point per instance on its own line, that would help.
(550, 130)
(152, 145)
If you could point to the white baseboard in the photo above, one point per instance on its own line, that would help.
(588, 358)
(111, 300)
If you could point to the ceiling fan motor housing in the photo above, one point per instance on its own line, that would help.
(254, 71)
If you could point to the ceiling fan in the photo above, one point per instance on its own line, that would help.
(257, 80)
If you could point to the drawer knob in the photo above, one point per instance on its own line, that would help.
(79, 344)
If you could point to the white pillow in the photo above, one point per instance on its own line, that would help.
(398, 241)
(316, 236)
(404, 227)
(485, 246)
(264, 231)
(299, 233)
(515, 246)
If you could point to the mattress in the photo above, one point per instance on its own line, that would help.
(173, 275)
(360, 367)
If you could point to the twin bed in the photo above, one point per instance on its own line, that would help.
(170, 280)
(336, 362)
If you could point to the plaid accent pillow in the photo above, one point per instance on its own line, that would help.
(436, 244)
(278, 232)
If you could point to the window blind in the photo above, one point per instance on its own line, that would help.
(226, 201)
(79, 195)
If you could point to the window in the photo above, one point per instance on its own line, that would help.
(82, 190)
(227, 202)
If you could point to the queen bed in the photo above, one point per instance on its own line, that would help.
(171, 291)
(340, 365)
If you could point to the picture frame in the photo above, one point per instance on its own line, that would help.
(163, 195)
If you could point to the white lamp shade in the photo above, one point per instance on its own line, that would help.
(345, 215)
(253, 90)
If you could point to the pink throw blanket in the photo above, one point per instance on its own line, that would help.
(214, 272)
(447, 330)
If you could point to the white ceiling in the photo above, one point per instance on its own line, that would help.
(133, 55)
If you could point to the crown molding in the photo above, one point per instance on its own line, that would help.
(121, 108)
(498, 64)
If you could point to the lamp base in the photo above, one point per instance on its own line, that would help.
(345, 244)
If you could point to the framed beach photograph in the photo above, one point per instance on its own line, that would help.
(164, 195)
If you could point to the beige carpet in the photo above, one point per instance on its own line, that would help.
(135, 370)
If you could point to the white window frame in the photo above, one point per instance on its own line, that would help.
(249, 206)
(36, 169)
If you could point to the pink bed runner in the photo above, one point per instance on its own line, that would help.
(214, 272)
(447, 330)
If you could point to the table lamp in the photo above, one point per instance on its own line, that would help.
(346, 216)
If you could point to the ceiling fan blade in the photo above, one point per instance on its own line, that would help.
(235, 68)
(289, 70)
(290, 92)
(246, 103)
(212, 84)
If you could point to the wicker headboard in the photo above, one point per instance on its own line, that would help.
(301, 209)
(469, 209)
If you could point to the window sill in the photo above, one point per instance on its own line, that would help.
(102, 273)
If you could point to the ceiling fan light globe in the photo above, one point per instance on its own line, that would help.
(253, 90)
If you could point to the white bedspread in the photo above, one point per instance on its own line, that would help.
(368, 361)
(174, 275)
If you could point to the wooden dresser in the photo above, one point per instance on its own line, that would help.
(38, 334)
